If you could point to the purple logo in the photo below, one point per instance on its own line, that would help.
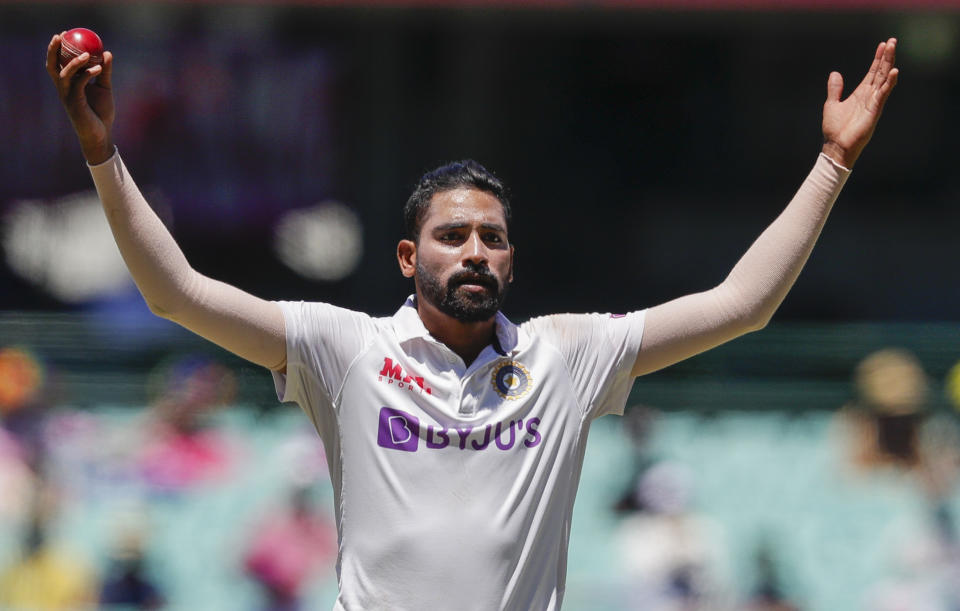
(398, 430)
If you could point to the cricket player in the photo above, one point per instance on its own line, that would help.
(454, 437)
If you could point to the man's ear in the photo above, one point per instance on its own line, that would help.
(513, 254)
(407, 257)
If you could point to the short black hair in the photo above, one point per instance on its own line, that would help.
(456, 174)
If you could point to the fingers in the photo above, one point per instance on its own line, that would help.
(57, 74)
(884, 92)
(84, 78)
(875, 65)
(71, 69)
(53, 49)
(888, 55)
(106, 77)
(834, 87)
(887, 75)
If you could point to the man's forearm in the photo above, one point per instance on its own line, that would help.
(756, 286)
(242, 323)
(158, 266)
(761, 279)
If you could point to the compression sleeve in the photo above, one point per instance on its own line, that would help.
(246, 325)
(746, 300)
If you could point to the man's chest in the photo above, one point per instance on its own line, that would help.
(422, 398)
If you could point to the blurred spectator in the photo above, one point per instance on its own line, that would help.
(21, 403)
(127, 584)
(674, 559)
(890, 407)
(290, 547)
(22, 416)
(891, 426)
(45, 578)
(182, 450)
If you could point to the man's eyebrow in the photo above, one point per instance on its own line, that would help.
(451, 225)
(461, 225)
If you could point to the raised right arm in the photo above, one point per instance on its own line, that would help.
(246, 325)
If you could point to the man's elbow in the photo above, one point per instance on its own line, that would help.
(744, 313)
(158, 310)
(757, 319)
(759, 324)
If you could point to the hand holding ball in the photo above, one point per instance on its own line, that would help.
(80, 70)
(78, 41)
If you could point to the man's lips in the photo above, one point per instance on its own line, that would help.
(475, 283)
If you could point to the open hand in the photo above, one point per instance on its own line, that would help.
(848, 124)
(89, 103)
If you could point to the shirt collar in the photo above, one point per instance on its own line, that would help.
(408, 325)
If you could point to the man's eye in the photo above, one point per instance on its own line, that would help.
(492, 237)
(450, 237)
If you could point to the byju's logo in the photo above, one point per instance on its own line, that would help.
(398, 430)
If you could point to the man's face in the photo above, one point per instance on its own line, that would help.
(464, 262)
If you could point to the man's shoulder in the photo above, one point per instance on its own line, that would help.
(322, 315)
(569, 330)
(573, 321)
(323, 308)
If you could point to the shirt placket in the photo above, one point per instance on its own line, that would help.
(467, 404)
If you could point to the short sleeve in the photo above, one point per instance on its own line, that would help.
(599, 351)
(322, 341)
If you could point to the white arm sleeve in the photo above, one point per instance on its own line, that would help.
(756, 286)
(246, 325)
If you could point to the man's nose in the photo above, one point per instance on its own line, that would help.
(475, 251)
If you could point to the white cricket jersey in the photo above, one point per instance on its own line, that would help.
(453, 484)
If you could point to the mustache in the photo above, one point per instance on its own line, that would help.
(480, 276)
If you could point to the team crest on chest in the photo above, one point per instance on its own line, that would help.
(511, 380)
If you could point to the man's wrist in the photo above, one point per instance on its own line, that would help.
(95, 155)
(838, 154)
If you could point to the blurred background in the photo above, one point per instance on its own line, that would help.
(646, 143)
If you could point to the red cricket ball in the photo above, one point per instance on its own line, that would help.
(80, 40)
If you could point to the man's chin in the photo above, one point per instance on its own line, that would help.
(473, 315)
(472, 306)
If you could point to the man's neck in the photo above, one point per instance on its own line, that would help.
(466, 339)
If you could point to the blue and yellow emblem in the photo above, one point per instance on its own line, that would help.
(511, 380)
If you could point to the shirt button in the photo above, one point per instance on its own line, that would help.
(451, 359)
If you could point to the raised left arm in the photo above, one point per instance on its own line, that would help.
(746, 300)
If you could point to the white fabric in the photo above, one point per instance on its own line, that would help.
(454, 486)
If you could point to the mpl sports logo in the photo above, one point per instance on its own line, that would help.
(393, 373)
(399, 430)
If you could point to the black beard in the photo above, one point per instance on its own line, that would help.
(461, 305)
